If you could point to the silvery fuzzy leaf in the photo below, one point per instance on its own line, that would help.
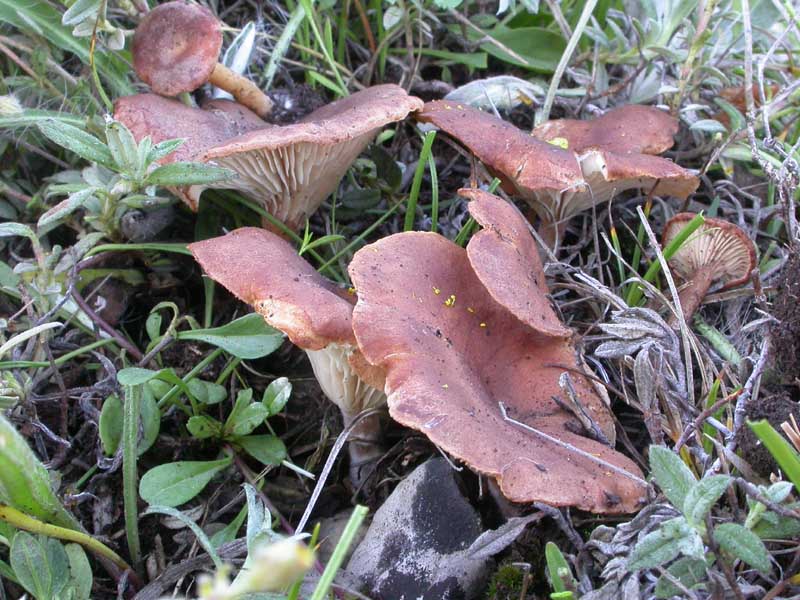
(491, 542)
(237, 56)
(644, 377)
(503, 92)
(617, 349)
(631, 329)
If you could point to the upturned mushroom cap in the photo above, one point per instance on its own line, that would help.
(452, 353)
(717, 246)
(505, 258)
(557, 183)
(291, 169)
(627, 129)
(264, 271)
(176, 47)
(524, 164)
(166, 119)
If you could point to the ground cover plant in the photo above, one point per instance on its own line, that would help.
(262, 262)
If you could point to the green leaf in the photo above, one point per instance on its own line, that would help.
(259, 519)
(247, 420)
(65, 208)
(150, 419)
(783, 453)
(540, 49)
(672, 475)
(24, 481)
(703, 495)
(558, 571)
(207, 392)
(80, 571)
(743, 544)
(276, 395)
(173, 484)
(31, 116)
(135, 376)
(43, 20)
(229, 532)
(80, 11)
(16, 229)
(163, 149)
(199, 533)
(40, 563)
(248, 337)
(110, 424)
(267, 449)
(689, 571)
(122, 146)
(672, 538)
(204, 427)
(188, 173)
(78, 141)
(773, 526)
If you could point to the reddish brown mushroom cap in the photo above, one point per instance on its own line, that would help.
(264, 270)
(522, 162)
(505, 258)
(451, 353)
(291, 169)
(557, 183)
(176, 47)
(717, 246)
(626, 129)
(166, 119)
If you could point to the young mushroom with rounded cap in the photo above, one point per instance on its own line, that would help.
(559, 183)
(176, 50)
(263, 270)
(717, 252)
(460, 346)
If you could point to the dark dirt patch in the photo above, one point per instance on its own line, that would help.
(776, 409)
(786, 333)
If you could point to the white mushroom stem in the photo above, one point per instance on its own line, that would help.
(691, 296)
(352, 395)
(242, 89)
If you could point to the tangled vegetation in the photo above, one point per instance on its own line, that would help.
(165, 423)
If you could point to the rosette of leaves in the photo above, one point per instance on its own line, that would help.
(690, 543)
(123, 176)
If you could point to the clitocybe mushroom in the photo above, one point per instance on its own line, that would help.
(288, 169)
(176, 49)
(717, 252)
(442, 323)
(165, 119)
(629, 129)
(291, 169)
(558, 183)
(263, 270)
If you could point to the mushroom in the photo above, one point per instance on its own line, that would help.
(457, 349)
(717, 252)
(263, 270)
(288, 169)
(557, 183)
(176, 49)
(291, 169)
(165, 119)
(629, 129)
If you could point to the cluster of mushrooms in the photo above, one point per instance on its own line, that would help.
(462, 344)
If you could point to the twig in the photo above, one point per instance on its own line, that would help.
(134, 352)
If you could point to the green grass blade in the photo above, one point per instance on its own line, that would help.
(787, 457)
(416, 184)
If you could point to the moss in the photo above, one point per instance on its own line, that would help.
(506, 583)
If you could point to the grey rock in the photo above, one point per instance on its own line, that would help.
(419, 543)
(331, 529)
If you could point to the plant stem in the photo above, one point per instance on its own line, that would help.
(588, 8)
(130, 439)
(22, 521)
